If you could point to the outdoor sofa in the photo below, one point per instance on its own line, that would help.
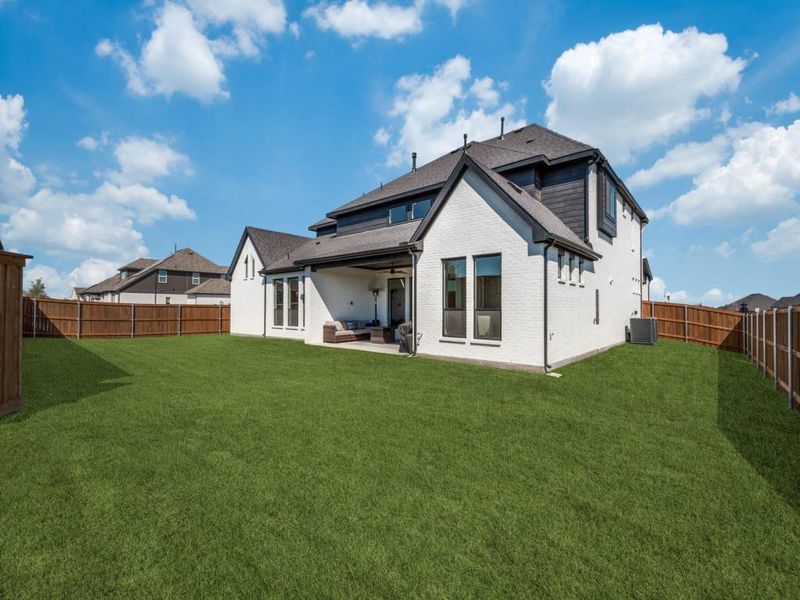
(334, 332)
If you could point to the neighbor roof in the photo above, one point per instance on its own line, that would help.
(271, 246)
(527, 142)
(184, 259)
(214, 287)
(138, 264)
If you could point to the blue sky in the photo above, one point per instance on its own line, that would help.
(130, 127)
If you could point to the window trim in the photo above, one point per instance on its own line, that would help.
(197, 278)
(475, 308)
(444, 297)
(275, 287)
(162, 273)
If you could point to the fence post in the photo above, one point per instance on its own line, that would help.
(790, 357)
(764, 347)
(133, 320)
(775, 346)
(79, 319)
(685, 323)
(219, 318)
(35, 310)
(179, 319)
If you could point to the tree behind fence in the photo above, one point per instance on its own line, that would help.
(72, 319)
(771, 338)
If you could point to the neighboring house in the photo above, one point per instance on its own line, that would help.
(152, 281)
(787, 301)
(76, 293)
(211, 291)
(525, 249)
(753, 302)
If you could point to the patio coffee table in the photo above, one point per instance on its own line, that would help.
(381, 335)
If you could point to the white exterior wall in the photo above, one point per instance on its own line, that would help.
(284, 331)
(475, 221)
(147, 298)
(210, 299)
(247, 294)
(571, 317)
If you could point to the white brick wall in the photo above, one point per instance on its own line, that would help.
(475, 221)
(247, 294)
(284, 330)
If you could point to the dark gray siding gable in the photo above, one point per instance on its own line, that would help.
(564, 193)
(377, 216)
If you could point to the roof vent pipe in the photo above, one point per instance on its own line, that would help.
(413, 161)
(502, 127)
(465, 142)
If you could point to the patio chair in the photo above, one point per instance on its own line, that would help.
(406, 337)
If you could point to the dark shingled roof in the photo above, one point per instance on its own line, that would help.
(271, 246)
(787, 301)
(526, 142)
(394, 237)
(138, 264)
(185, 259)
(215, 287)
(322, 223)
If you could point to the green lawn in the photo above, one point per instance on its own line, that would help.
(235, 467)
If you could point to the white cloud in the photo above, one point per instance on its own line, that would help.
(454, 6)
(432, 112)
(761, 178)
(712, 297)
(294, 29)
(91, 143)
(59, 285)
(724, 249)
(684, 159)
(382, 137)
(12, 121)
(637, 88)
(180, 58)
(101, 224)
(360, 19)
(781, 242)
(785, 107)
(141, 160)
(484, 90)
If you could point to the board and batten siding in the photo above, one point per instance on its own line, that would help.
(563, 192)
(377, 216)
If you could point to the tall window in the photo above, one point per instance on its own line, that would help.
(162, 276)
(611, 199)
(195, 278)
(420, 209)
(294, 300)
(277, 318)
(454, 301)
(573, 271)
(561, 264)
(580, 270)
(488, 295)
(246, 266)
(397, 214)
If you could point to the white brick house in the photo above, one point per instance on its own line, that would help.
(522, 250)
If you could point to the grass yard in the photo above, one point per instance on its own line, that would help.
(235, 467)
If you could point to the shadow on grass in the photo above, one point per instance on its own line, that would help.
(758, 422)
(59, 371)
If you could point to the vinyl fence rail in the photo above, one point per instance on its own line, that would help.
(74, 319)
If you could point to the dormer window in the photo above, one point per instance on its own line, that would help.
(397, 214)
(420, 209)
(162, 276)
(123, 274)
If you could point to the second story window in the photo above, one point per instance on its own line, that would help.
(420, 209)
(397, 214)
(561, 264)
(123, 275)
(162, 276)
(611, 200)
(195, 278)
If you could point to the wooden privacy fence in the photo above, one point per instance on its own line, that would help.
(11, 266)
(73, 319)
(772, 342)
(708, 326)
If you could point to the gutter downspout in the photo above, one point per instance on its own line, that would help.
(264, 314)
(413, 301)
(549, 245)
